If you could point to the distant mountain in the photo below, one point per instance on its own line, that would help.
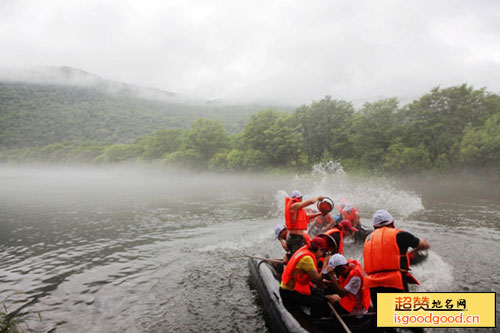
(69, 76)
(39, 114)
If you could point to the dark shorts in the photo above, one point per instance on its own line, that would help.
(292, 301)
(294, 242)
(376, 290)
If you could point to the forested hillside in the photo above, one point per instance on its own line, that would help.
(445, 129)
(39, 115)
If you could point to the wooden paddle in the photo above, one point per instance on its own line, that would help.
(338, 317)
(278, 261)
(358, 314)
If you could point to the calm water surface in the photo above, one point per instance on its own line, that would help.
(144, 250)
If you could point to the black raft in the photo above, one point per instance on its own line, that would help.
(265, 279)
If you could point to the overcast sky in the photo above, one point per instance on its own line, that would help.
(292, 52)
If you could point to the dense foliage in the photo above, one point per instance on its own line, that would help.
(39, 115)
(444, 129)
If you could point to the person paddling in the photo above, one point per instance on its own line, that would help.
(385, 256)
(296, 219)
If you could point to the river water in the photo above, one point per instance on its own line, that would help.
(147, 250)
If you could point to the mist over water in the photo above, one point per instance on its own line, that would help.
(144, 249)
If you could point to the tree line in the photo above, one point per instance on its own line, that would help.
(444, 129)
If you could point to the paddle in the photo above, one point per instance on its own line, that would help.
(338, 317)
(278, 261)
(358, 314)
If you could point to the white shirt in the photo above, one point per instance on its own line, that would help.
(354, 287)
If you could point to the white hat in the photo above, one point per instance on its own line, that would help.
(296, 194)
(278, 229)
(335, 261)
(382, 217)
(348, 207)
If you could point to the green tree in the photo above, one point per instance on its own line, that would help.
(162, 142)
(324, 127)
(372, 131)
(187, 157)
(276, 135)
(438, 120)
(406, 159)
(121, 153)
(480, 147)
(256, 134)
(206, 137)
(285, 141)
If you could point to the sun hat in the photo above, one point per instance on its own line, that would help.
(335, 261)
(319, 243)
(278, 229)
(381, 218)
(347, 224)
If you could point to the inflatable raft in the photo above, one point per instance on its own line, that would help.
(265, 279)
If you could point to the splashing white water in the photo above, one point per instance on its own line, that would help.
(329, 167)
(368, 194)
(434, 274)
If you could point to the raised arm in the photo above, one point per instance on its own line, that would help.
(299, 205)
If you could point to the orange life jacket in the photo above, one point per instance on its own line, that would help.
(350, 302)
(383, 261)
(321, 221)
(301, 279)
(302, 219)
(340, 247)
(350, 216)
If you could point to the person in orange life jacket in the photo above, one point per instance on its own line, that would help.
(385, 256)
(349, 212)
(324, 221)
(338, 215)
(295, 289)
(349, 295)
(281, 233)
(338, 234)
(296, 219)
(321, 223)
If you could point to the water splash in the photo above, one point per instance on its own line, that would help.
(434, 274)
(368, 194)
(330, 167)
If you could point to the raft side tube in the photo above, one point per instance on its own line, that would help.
(263, 280)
